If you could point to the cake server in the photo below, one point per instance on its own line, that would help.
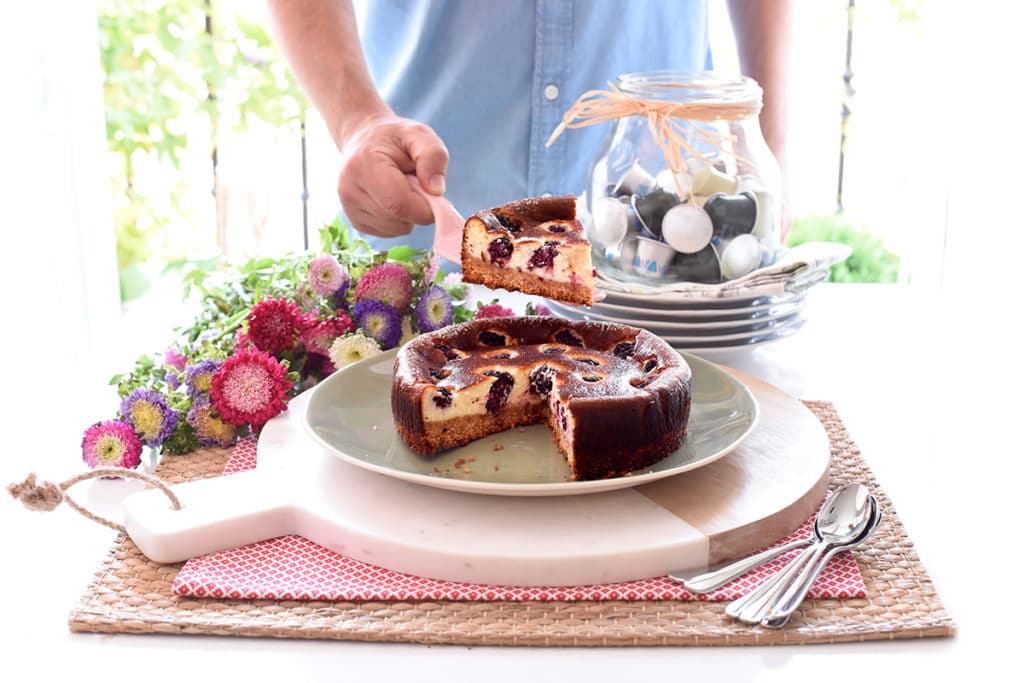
(448, 223)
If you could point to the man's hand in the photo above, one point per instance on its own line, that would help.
(377, 154)
(321, 41)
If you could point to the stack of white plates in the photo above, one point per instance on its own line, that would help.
(698, 325)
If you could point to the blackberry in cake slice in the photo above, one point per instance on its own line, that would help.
(534, 246)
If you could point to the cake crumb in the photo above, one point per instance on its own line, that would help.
(437, 470)
(466, 470)
(460, 462)
(520, 429)
(496, 468)
(472, 458)
(498, 447)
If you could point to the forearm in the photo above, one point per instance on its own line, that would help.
(762, 29)
(321, 43)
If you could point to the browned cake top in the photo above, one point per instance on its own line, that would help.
(536, 217)
(591, 359)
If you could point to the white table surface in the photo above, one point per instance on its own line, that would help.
(928, 387)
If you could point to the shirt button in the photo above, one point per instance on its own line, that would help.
(551, 91)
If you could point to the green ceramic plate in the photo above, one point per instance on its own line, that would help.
(349, 413)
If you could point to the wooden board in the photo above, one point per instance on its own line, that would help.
(763, 490)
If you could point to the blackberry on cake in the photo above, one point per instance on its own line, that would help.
(535, 246)
(616, 398)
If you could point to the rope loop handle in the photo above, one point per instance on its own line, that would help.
(44, 496)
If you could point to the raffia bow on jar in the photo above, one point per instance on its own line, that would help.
(702, 131)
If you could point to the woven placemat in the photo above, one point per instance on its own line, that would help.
(131, 594)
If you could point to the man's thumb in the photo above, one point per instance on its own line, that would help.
(431, 159)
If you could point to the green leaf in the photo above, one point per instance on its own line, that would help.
(402, 254)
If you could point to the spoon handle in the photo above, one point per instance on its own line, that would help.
(781, 609)
(709, 581)
(752, 607)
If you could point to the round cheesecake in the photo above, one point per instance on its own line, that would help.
(616, 398)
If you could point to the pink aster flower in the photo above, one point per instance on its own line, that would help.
(318, 336)
(325, 275)
(388, 283)
(494, 311)
(430, 272)
(173, 358)
(111, 444)
(541, 309)
(274, 325)
(250, 387)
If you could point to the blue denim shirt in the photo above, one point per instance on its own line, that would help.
(494, 78)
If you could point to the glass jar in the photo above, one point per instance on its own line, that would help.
(718, 217)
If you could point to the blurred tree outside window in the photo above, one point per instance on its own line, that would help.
(185, 81)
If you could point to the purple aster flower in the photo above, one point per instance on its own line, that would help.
(433, 310)
(198, 376)
(325, 275)
(380, 321)
(149, 414)
(340, 302)
(207, 425)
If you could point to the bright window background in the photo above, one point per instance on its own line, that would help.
(932, 139)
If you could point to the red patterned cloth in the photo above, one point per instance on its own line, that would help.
(295, 568)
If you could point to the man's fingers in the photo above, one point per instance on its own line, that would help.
(364, 215)
(430, 157)
(388, 188)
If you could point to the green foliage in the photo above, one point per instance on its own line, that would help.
(870, 260)
(164, 61)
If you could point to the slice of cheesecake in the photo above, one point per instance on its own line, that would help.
(534, 246)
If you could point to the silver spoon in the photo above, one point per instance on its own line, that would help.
(783, 608)
(842, 519)
(707, 581)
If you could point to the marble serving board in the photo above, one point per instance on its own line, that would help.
(764, 489)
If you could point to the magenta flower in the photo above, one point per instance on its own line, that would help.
(318, 335)
(494, 311)
(250, 387)
(111, 444)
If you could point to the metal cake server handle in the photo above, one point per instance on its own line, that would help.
(708, 581)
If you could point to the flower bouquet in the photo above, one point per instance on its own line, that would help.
(268, 330)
